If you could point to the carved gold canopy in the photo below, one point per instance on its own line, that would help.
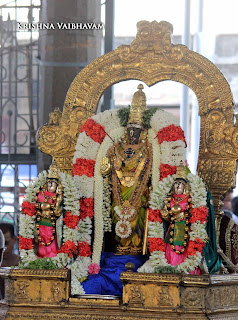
(152, 58)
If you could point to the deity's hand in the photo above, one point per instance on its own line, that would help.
(105, 168)
(165, 214)
(179, 216)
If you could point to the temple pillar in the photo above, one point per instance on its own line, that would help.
(64, 53)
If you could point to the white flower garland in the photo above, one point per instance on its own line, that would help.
(162, 119)
(123, 229)
(160, 192)
(85, 148)
(156, 150)
(106, 208)
(79, 269)
(35, 185)
(116, 134)
(156, 229)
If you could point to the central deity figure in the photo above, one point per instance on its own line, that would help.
(128, 166)
(134, 149)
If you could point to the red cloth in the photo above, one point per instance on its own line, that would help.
(47, 251)
(172, 257)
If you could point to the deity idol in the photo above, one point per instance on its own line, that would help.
(120, 157)
(48, 210)
(181, 227)
(128, 166)
(176, 211)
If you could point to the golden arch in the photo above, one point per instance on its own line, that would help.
(152, 58)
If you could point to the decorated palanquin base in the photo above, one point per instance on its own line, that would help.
(45, 294)
(151, 58)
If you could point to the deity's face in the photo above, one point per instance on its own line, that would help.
(51, 185)
(133, 134)
(179, 187)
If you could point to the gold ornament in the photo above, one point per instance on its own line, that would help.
(53, 171)
(181, 172)
(105, 167)
(138, 107)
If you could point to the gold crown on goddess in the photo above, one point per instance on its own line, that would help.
(181, 171)
(53, 171)
(138, 107)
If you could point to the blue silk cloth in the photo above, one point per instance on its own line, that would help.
(107, 282)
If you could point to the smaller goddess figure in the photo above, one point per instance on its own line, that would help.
(48, 210)
(176, 211)
(181, 227)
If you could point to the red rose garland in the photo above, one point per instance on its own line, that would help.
(70, 248)
(171, 133)
(84, 166)
(70, 220)
(86, 208)
(25, 243)
(154, 215)
(167, 170)
(156, 244)
(94, 130)
(84, 249)
(28, 208)
(199, 214)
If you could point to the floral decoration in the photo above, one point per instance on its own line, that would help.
(71, 234)
(70, 220)
(28, 208)
(25, 243)
(93, 142)
(156, 232)
(154, 215)
(166, 170)
(156, 244)
(93, 130)
(86, 208)
(94, 268)
(84, 167)
(84, 249)
(170, 133)
(70, 248)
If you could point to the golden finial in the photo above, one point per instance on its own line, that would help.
(181, 171)
(53, 171)
(138, 107)
(55, 117)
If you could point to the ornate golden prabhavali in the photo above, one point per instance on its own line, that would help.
(150, 58)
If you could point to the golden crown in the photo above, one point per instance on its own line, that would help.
(138, 107)
(181, 171)
(53, 171)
